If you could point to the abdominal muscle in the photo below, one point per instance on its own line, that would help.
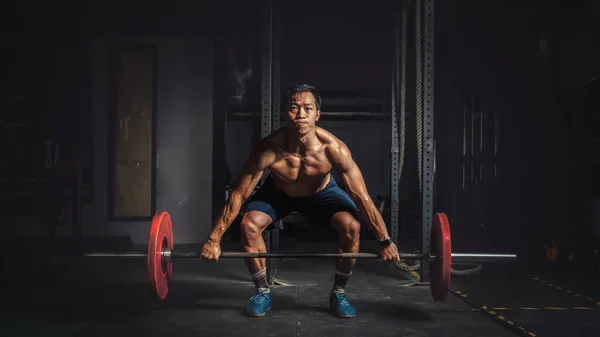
(300, 182)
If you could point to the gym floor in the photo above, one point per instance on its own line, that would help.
(111, 298)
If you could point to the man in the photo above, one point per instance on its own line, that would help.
(300, 158)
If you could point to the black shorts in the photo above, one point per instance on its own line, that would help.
(321, 206)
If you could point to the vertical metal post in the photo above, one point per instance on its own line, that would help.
(266, 96)
(267, 53)
(428, 139)
(276, 88)
(276, 117)
(276, 48)
(395, 150)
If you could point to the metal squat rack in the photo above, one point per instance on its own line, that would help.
(423, 70)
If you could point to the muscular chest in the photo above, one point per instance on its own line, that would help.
(292, 168)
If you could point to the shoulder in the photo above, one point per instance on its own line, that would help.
(273, 142)
(276, 141)
(268, 149)
(335, 148)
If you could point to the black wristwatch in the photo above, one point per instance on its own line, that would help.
(384, 243)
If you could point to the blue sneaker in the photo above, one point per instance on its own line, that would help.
(259, 304)
(339, 305)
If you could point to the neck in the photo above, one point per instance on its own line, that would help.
(300, 143)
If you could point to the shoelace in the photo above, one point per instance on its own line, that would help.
(341, 298)
(259, 298)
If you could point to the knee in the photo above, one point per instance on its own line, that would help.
(251, 227)
(350, 232)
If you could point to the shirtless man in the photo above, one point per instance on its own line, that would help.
(300, 158)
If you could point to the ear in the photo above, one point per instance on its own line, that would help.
(317, 115)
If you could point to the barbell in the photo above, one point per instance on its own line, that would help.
(160, 254)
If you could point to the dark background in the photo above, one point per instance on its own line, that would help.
(527, 62)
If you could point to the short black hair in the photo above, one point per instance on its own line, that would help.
(296, 89)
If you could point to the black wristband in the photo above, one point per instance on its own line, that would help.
(385, 243)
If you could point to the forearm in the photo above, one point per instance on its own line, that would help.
(226, 217)
(371, 215)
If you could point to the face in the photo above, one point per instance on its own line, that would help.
(302, 113)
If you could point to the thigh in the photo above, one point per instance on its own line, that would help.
(344, 222)
(255, 221)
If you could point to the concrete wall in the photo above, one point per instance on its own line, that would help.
(184, 139)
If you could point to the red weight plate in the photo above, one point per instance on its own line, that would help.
(441, 247)
(160, 237)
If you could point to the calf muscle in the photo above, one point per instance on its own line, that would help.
(252, 226)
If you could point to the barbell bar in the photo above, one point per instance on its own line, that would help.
(169, 254)
(160, 254)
